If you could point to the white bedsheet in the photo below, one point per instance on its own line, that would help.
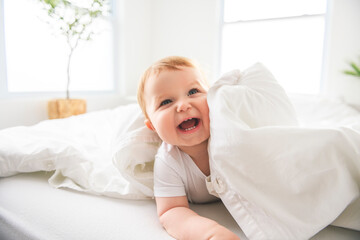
(30, 209)
(279, 180)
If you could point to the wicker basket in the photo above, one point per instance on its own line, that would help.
(62, 108)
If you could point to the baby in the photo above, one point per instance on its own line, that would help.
(172, 95)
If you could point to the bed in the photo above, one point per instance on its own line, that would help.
(85, 178)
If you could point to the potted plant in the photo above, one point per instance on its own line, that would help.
(74, 22)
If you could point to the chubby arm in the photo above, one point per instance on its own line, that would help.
(183, 223)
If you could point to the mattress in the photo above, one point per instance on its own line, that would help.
(31, 209)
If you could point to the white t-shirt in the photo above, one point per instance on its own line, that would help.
(176, 174)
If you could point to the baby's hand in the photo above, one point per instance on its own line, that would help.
(222, 233)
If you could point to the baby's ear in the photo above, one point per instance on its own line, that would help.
(149, 124)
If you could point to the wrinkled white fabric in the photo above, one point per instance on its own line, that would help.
(277, 179)
(107, 152)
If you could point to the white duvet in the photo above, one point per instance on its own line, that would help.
(108, 152)
(278, 180)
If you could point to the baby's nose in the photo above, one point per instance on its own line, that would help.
(183, 106)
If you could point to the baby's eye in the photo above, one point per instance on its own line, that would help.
(167, 101)
(193, 91)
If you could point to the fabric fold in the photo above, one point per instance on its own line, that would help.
(107, 152)
(288, 181)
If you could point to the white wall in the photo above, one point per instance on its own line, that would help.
(135, 43)
(149, 30)
(28, 110)
(343, 45)
(189, 28)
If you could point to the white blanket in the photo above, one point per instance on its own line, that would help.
(279, 180)
(108, 152)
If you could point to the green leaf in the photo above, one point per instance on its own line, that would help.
(356, 68)
(350, 73)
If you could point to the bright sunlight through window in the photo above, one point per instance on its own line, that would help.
(36, 56)
(287, 36)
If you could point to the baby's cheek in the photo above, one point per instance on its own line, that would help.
(165, 129)
(206, 122)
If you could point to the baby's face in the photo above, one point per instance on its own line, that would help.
(177, 107)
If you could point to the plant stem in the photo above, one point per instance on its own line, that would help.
(68, 73)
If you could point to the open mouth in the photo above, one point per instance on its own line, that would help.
(189, 124)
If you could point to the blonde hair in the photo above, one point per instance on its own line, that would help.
(172, 63)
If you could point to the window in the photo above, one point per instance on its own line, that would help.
(36, 55)
(286, 35)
